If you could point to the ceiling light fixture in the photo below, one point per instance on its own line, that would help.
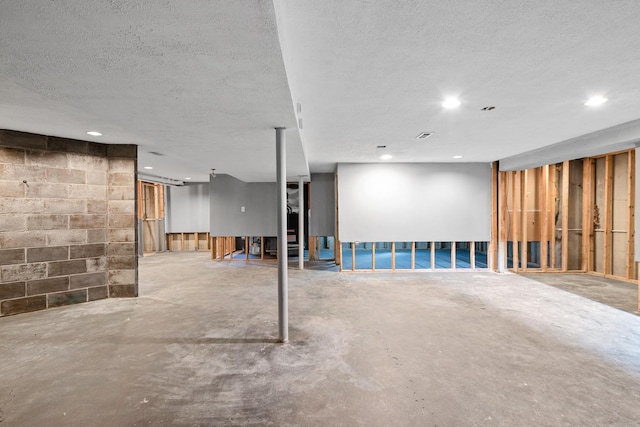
(187, 178)
(93, 133)
(451, 103)
(595, 101)
(213, 173)
(148, 167)
(386, 157)
(457, 157)
(424, 135)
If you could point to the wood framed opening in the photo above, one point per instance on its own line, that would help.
(151, 213)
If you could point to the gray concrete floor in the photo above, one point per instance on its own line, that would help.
(429, 349)
(615, 293)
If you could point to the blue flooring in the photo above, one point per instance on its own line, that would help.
(403, 259)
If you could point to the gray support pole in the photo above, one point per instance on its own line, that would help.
(281, 185)
(301, 214)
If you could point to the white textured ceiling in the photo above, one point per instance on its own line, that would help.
(372, 73)
(202, 82)
(205, 82)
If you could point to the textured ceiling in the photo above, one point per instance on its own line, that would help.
(201, 82)
(372, 73)
(205, 82)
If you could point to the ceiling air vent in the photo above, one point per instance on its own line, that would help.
(424, 135)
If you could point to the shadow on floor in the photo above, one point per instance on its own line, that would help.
(614, 293)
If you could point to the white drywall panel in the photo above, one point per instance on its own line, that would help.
(414, 202)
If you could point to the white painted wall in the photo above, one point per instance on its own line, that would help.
(187, 208)
(414, 202)
(227, 197)
(322, 218)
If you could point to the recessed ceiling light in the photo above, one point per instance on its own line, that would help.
(187, 178)
(386, 157)
(457, 157)
(148, 167)
(451, 103)
(594, 101)
(94, 133)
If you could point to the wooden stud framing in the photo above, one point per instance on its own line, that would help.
(502, 200)
(433, 255)
(393, 256)
(373, 256)
(552, 215)
(312, 248)
(453, 255)
(631, 192)
(565, 216)
(413, 255)
(516, 220)
(493, 244)
(544, 218)
(141, 201)
(608, 213)
(472, 255)
(587, 213)
(524, 197)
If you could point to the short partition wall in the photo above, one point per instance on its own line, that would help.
(193, 241)
(265, 248)
(243, 248)
(392, 256)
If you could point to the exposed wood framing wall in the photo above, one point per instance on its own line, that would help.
(151, 213)
(574, 216)
(196, 241)
(456, 251)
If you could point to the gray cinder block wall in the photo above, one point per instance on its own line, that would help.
(67, 222)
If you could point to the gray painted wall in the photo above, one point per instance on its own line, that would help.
(322, 218)
(414, 202)
(187, 208)
(227, 197)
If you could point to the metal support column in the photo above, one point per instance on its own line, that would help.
(301, 215)
(281, 185)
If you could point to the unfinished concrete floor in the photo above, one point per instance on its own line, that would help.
(430, 349)
(615, 293)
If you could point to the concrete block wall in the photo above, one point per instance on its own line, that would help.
(67, 222)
